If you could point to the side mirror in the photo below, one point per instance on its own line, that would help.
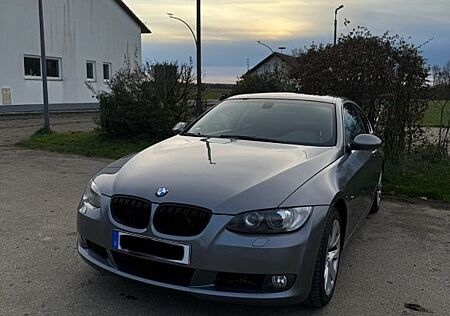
(366, 142)
(179, 127)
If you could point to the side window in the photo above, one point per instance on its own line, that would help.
(54, 68)
(32, 66)
(366, 122)
(90, 70)
(107, 73)
(354, 123)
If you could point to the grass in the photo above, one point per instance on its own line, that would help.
(215, 93)
(433, 114)
(90, 144)
(423, 180)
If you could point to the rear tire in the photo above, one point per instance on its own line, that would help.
(376, 204)
(327, 262)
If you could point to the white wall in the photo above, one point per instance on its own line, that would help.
(76, 31)
(270, 66)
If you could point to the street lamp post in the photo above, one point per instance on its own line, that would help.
(199, 56)
(172, 16)
(43, 66)
(198, 43)
(335, 22)
(265, 45)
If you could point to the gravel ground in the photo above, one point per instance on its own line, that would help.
(398, 263)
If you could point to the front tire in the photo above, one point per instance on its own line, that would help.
(327, 262)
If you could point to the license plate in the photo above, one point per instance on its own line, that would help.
(151, 247)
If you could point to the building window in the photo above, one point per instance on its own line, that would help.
(90, 70)
(107, 71)
(32, 66)
(53, 68)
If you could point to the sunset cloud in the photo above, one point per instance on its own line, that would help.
(236, 25)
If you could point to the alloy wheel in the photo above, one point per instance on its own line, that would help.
(332, 257)
(379, 189)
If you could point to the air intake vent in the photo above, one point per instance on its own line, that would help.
(131, 211)
(239, 282)
(152, 270)
(180, 220)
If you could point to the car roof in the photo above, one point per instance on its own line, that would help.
(286, 96)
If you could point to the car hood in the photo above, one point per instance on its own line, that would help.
(223, 175)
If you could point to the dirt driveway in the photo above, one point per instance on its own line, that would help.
(400, 256)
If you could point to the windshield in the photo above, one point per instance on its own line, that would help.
(282, 121)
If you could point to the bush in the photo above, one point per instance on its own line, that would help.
(145, 101)
(384, 74)
(268, 82)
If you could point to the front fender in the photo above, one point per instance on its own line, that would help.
(105, 177)
(322, 189)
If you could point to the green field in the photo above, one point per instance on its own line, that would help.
(89, 144)
(215, 93)
(433, 114)
(419, 179)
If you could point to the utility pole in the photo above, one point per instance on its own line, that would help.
(198, 44)
(335, 22)
(43, 67)
(199, 57)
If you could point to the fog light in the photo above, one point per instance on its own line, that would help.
(82, 242)
(279, 281)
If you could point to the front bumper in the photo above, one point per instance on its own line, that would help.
(216, 251)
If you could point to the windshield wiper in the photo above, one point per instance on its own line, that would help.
(194, 134)
(253, 138)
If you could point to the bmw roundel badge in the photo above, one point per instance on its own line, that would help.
(162, 192)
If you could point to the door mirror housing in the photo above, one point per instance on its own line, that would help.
(366, 142)
(179, 127)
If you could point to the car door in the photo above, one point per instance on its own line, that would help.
(357, 165)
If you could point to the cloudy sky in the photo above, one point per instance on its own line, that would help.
(232, 27)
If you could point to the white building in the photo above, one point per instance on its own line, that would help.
(274, 62)
(86, 41)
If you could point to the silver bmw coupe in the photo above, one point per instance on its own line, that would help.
(252, 202)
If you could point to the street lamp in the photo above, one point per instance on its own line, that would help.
(198, 44)
(172, 16)
(43, 66)
(335, 22)
(281, 48)
(265, 45)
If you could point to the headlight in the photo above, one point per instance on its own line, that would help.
(270, 222)
(91, 197)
